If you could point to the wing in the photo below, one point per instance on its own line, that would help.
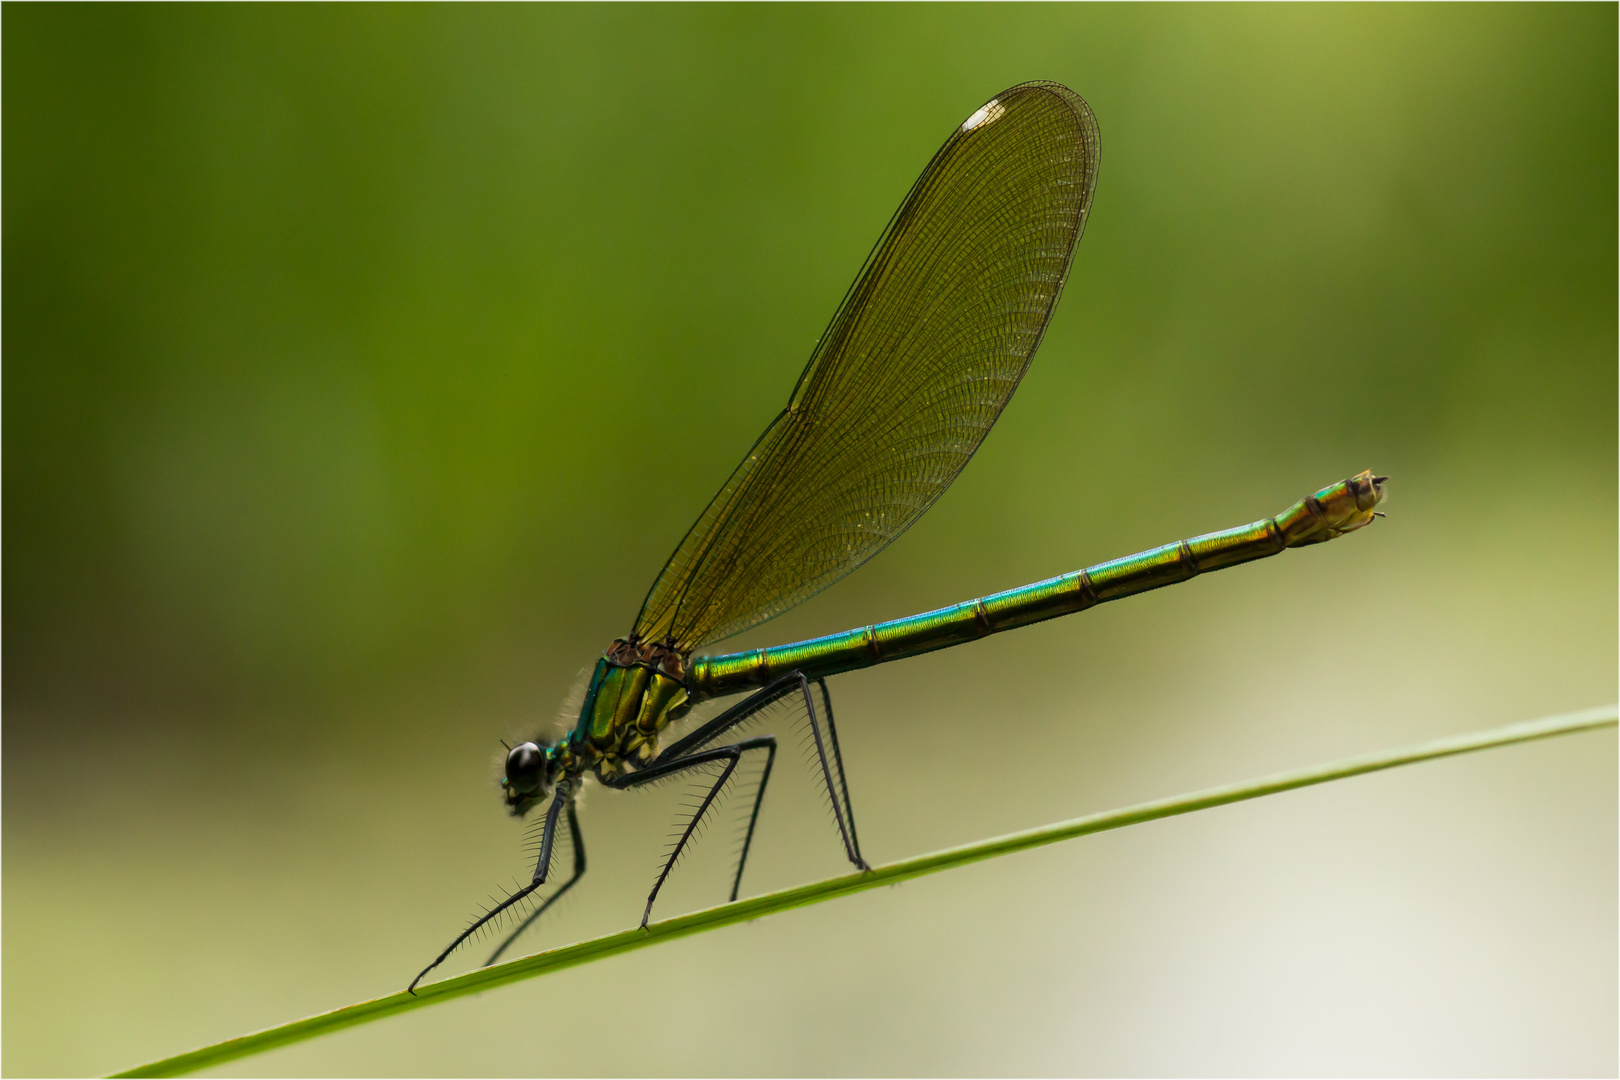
(921, 356)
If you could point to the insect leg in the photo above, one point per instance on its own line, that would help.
(546, 839)
(831, 765)
(852, 842)
(659, 769)
(579, 871)
(753, 818)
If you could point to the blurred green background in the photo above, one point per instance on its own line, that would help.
(363, 364)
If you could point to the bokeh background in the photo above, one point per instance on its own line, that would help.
(364, 363)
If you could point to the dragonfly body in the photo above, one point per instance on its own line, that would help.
(637, 690)
(921, 357)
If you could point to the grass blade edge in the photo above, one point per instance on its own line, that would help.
(892, 873)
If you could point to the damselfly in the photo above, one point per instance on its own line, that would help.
(921, 356)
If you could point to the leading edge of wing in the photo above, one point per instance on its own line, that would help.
(920, 357)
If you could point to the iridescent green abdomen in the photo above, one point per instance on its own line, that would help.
(1333, 511)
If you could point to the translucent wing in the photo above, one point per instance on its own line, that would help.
(921, 356)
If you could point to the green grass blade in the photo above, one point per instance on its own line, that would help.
(770, 903)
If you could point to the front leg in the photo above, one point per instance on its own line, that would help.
(563, 795)
(579, 871)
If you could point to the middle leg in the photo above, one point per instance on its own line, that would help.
(728, 758)
(793, 686)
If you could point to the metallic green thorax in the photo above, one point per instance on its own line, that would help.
(637, 689)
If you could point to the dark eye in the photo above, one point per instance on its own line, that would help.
(526, 768)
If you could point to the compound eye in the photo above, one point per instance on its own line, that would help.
(526, 768)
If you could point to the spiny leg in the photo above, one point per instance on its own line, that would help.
(579, 871)
(660, 769)
(740, 713)
(750, 707)
(753, 819)
(841, 813)
(557, 800)
(843, 777)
